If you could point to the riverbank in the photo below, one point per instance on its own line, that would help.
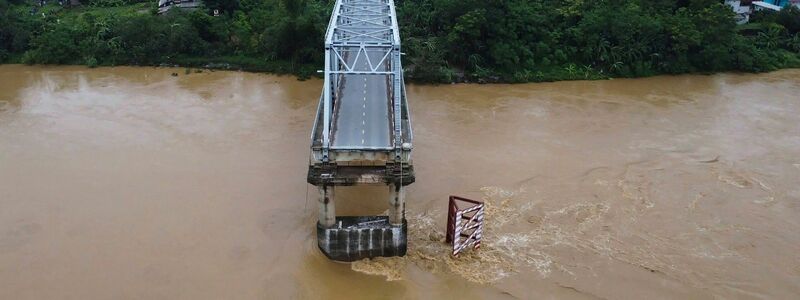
(195, 67)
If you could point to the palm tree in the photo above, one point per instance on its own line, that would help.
(770, 39)
(603, 50)
(794, 42)
(571, 69)
(616, 66)
(587, 70)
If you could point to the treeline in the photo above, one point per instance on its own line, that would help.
(282, 36)
(525, 40)
(445, 40)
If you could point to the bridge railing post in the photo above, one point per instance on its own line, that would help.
(326, 125)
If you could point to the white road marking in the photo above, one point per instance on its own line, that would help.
(362, 141)
(363, 122)
(362, 131)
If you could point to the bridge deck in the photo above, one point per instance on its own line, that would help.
(362, 118)
(362, 115)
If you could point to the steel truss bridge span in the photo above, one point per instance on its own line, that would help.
(362, 131)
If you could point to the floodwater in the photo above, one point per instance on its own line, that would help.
(130, 183)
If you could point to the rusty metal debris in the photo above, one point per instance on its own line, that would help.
(464, 224)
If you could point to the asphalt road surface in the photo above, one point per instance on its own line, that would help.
(362, 119)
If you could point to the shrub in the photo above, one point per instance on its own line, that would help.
(91, 62)
(57, 46)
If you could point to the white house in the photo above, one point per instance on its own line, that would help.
(166, 5)
(761, 5)
(774, 5)
(742, 10)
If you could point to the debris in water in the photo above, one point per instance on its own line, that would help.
(501, 255)
(464, 224)
(391, 267)
(715, 159)
(544, 237)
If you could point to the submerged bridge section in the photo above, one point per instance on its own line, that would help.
(362, 133)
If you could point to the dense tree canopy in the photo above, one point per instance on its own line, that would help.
(445, 40)
(524, 40)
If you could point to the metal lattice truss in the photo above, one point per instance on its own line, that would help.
(464, 224)
(362, 39)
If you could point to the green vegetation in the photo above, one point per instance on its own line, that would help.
(445, 40)
(523, 40)
(280, 36)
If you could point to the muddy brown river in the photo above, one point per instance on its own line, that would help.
(130, 183)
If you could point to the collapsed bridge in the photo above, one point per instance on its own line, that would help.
(362, 133)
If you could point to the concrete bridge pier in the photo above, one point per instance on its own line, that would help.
(327, 210)
(397, 204)
(350, 238)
